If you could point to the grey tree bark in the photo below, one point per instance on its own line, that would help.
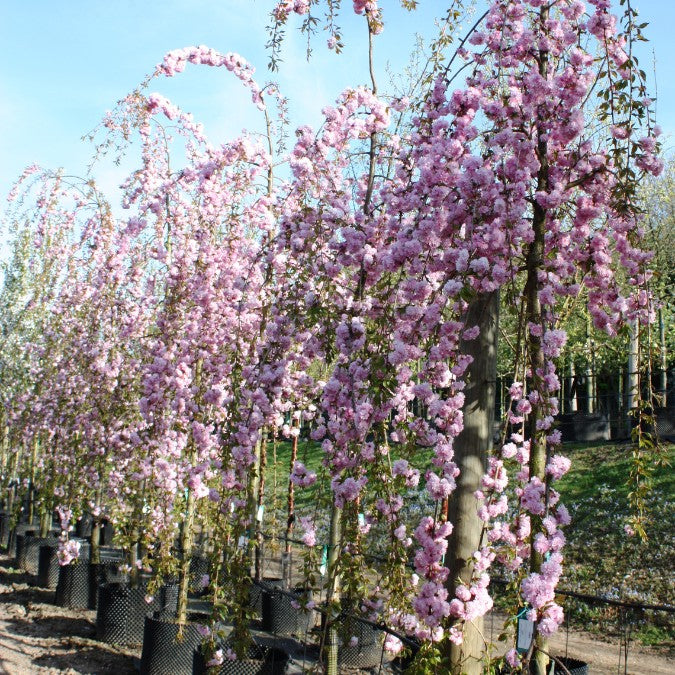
(471, 451)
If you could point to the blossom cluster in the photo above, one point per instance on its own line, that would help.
(228, 304)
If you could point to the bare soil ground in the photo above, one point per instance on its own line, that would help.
(603, 657)
(36, 636)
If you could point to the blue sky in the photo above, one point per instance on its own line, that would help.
(65, 63)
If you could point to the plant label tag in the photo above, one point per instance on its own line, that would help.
(259, 513)
(362, 520)
(324, 561)
(243, 541)
(524, 633)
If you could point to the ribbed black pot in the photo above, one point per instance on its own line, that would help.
(32, 552)
(4, 529)
(280, 617)
(20, 551)
(366, 652)
(20, 529)
(163, 653)
(72, 589)
(83, 526)
(107, 533)
(120, 616)
(106, 571)
(261, 660)
(48, 566)
(574, 666)
(258, 590)
(199, 566)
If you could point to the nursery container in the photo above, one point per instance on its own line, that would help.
(260, 660)
(121, 611)
(404, 660)
(258, 589)
(107, 570)
(199, 566)
(48, 566)
(20, 550)
(4, 529)
(163, 653)
(365, 651)
(279, 616)
(84, 525)
(32, 547)
(21, 529)
(73, 587)
(574, 666)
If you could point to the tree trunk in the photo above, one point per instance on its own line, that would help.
(663, 362)
(95, 538)
(45, 521)
(536, 361)
(471, 451)
(591, 405)
(290, 512)
(4, 464)
(333, 589)
(570, 389)
(31, 488)
(632, 380)
(259, 507)
(186, 540)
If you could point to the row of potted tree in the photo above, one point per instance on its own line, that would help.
(350, 280)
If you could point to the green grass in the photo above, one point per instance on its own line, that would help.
(607, 465)
(600, 558)
(308, 501)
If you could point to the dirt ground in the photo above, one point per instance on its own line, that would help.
(39, 637)
(603, 657)
(36, 636)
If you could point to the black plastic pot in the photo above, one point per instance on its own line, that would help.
(280, 617)
(255, 599)
(48, 566)
(107, 533)
(163, 653)
(32, 547)
(120, 617)
(21, 529)
(84, 525)
(104, 572)
(261, 660)
(73, 587)
(4, 529)
(574, 666)
(367, 650)
(199, 566)
(257, 592)
(111, 554)
(20, 555)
